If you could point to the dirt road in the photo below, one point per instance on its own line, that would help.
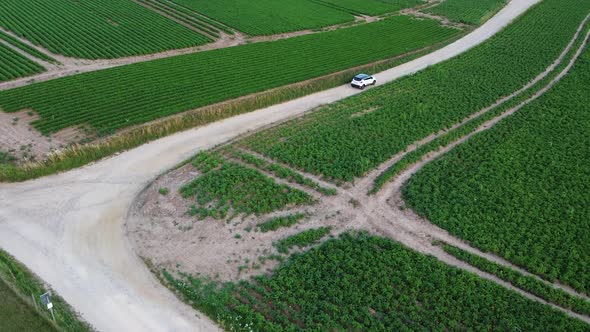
(68, 228)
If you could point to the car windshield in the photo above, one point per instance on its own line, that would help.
(357, 78)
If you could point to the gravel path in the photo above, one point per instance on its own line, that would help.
(68, 228)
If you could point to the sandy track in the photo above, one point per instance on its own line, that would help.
(68, 228)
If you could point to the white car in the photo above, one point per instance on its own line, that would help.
(362, 80)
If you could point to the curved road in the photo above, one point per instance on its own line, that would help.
(68, 228)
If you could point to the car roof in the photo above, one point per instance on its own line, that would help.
(361, 76)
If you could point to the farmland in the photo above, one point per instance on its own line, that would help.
(226, 189)
(91, 30)
(268, 17)
(467, 11)
(362, 282)
(14, 65)
(520, 189)
(337, 143)
(370, 7)
(115, 98)
(31, 50)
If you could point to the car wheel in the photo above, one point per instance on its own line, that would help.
(362, 87)
(374, 82)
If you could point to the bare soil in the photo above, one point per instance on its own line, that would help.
(162, 232)
(25, 143)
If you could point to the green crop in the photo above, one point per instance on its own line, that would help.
(279, 171)
(343, 141)
(520, 189)
(225, 187)
(467, 11)
(31, 50)
(366, 283)
(527, 283)
(302, 239)
(268, 17)
(369, 7)
(95, 29)
(119, 97)
(14, 65)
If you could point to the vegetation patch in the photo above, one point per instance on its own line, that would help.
(512, 189)
(524, 282)
(332, 143)
(95, 30)
(280, 171)
(268, 17)
(120, 97)
(467, 11)
(14, 65)
(226, 187)
(360, 282)
(302, 239)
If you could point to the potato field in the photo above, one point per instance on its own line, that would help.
(467, 11)
(370, 7)
(360, 282)
(95, 29)
(14, 65)
(347, 139)
(119, 97)
(521, 189)
(225, 189)
(268, 17)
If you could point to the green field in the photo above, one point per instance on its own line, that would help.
(370, 7)
(14, 65)
(527, 283)
(95, 30)
(467, 11)
(365, 283)
(17, 316)
(520, 190)
(119, 97)
(227, 189)
(30, 50)
(340, 145)
(268, 17)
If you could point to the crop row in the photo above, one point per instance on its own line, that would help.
(363, 283)
(119, 97)
(182, 17)
(278, 170)
(195, 15)
(347, 139)
(278, 222)
(31, 50)
(225, 189)
(473, 124)
(467, 11)
(370, 7)
(14, 65)
(520, 189)
(302, 239)
(268, 17)
(87, 29)
(526, 283)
